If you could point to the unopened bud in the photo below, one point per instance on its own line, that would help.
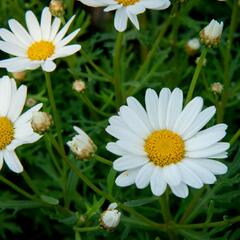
(192, 46)
(110, 218)
(204, 61)
(217, 88)
(211, 34)
(30, 102)
(79, 86)
(82, 145)
(56, 8)
(19, 76)
(41, 122)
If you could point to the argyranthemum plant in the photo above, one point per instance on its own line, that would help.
(127, 9)
(39, 46)
(15, 129)
(163, 145)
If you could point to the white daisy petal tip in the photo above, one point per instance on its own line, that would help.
(37, 47)
(15, 129)
(153, 152)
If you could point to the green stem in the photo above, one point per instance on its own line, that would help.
(56, 117)
(102, 193)
(97, 68)
(196, 74)
(227, 60)
(166, 214)
(235, 137)
(117, 69)
(87, 229)
(16, 188)
(103, 160)
(29, 182)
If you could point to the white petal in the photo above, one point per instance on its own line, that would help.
(174, 107)
(189, 177)
(127, 178)
(200, 121)
(66, 51)
(20, 32)
(8, 36)
(144, 175)
(12, 49)
(46, 19)
(134, 104)
(180, 191)
(213, 150)
(157, 182)
(129, 162)
(1, 159)
(136, 8)
(93, 3)
(17, 103)
(163, 106)
(156, 4)
(48, 66)
(215, 167)
(33, 26)
(134, 122)
(116, 149)
(68, 39)
(55, 27)
(5, 95)
(151, 100)
(188, 115)
(133, 18)
(172, 175)
(112, 7)
(132, 148)
(120, 19)
(203, 173)
(12, 161)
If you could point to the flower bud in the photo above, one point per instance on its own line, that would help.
(110, 218)
(192, 46)
(41, 121)
(56, 8)
(82, 145)
(217, 88)
(19, 76)
(211, 34)
(79, 86)
(204, 61)
(30, 102)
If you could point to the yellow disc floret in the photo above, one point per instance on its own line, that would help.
(127, 2)
(164, 147)
(6, 132)
(41, 50)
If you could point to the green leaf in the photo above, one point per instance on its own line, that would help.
(140, 202)
(50, 200)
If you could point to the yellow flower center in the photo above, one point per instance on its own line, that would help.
(164, 147)
(127, 2)
(40, 50)
(6, 132)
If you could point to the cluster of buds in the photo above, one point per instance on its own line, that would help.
(192, 46)
(56, 8)
(82, 145)
(41, 122)
(217, 88)
(79, 86)
(211, 34)
(204, 61)
(110, 218)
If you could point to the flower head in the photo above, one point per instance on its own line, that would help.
(39, 46)
(15, 129)
(79, 86)
(41, 122)
(217, 88)
(82, 145)
(57, 8)
(110, 218)
(127, 9)
(164, 144)
(192, 46)
(211, 34)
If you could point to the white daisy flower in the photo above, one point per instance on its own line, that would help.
(127, 9)
(163, 145)
(39, 46)
(15, 129)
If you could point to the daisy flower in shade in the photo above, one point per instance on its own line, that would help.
(164, 144)
(15, 129)
(127, 9)
(39, 46)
